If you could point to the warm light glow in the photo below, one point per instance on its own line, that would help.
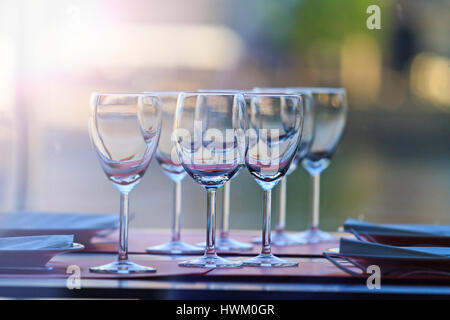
(196, 46)
(430, 78)
(361, 68)
(6, 73)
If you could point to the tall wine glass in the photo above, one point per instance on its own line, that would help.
(280, 237)
(167, 158)
(224, 242)
(330, 110)
(210, 143)
(124, 154)
(275, 126)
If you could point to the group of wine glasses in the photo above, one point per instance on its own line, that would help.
(211, 135)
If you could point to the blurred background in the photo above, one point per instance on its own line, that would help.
(393, 161)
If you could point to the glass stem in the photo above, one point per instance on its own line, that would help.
(210, 249)
(282, 206)
(266, 250)
(123, 229)
(316, 201)
(176, 226)
(225, 211)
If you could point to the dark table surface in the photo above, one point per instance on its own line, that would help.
(315, 278)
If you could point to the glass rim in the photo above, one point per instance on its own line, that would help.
(303, 90)
(222, 90)
(271, 94)
(320, 89)
(280, 89)
(167, 92)
(124, 94)
(211, 93)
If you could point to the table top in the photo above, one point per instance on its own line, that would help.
(314, 278)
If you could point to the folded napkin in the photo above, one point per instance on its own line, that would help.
(404, 230)
(348, 247)
(36, 242)
(57, 221)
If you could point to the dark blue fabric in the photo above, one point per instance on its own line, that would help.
(397, 229)
(361, 248)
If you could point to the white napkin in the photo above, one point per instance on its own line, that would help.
(36, 242)
(57, 221)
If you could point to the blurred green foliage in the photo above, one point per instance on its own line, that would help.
(295, 25)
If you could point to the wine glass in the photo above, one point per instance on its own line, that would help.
(280, 237)
(167, 158)
(124, 154)
(224, 242)
(330, 109)
(273, 137)
(13, 145)
(210, 142)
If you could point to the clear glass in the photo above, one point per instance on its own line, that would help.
(14, 162)
(168, 160)
(280, 237)
(275, 126)
(210, 143)
(124, 153)
(224, 242)
(330, 110)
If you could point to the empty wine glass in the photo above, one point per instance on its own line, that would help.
(124, 154)
(273, 136)
(280, 237)
(224, 242)
(13, 145)
(330, 109)
(167, 158)
(210, 142)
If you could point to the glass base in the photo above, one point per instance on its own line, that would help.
(210, 261)
(280, 239)
(227, 244)
(257, 240)
(175, 247)
(283, 239)
(268, 260)
(122, 267)
(314, 235)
